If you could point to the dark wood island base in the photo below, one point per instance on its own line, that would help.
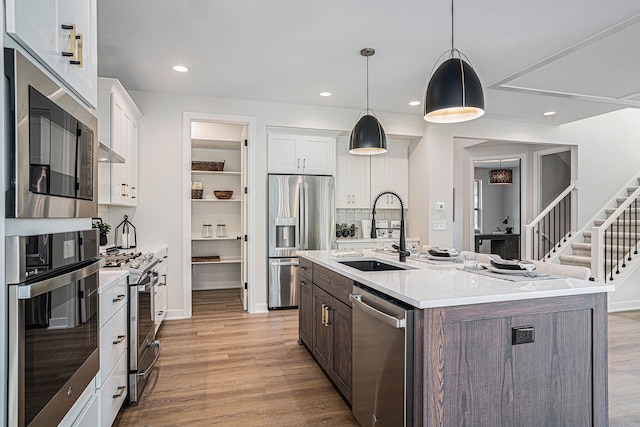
(472, 375)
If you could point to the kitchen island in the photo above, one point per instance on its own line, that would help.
(467, 364)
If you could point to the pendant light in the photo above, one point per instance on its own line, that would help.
(367, 136)
(501, 176)
(454, 93)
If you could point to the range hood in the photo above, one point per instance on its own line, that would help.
(107, 155)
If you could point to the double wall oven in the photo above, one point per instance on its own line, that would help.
(53, 323)
(52, 279)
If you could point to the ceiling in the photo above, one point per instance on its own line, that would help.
(579, 58)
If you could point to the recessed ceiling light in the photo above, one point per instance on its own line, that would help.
(180, 68)
(325, 93)
(549, 113)
(414, 103)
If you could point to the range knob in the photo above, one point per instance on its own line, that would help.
(135, 264)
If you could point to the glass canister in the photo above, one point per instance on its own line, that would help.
(221, 230)
(207, 230)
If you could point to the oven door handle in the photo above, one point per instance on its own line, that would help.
(33, 290)
(143, 372)
(147, 281)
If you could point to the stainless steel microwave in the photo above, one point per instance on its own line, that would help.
(51, 145)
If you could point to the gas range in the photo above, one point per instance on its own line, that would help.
(137, 263)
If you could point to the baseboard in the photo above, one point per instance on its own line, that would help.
(615, 307)
(260, 308)
(176, 314)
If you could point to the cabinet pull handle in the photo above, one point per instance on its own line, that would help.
(119, 298)
(120, 392)
(164, 280)
(72, 41)
(120, 339)
(161, 312)
(304, 163)
(326, 316)
(78, 42)
(133, 192)
(323, 307)
(124, 190)
(298, 164)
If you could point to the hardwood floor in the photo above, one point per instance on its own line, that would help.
(624, 369)
(226, 367)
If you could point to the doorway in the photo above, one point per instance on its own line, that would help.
(216, 220)
(497, 206)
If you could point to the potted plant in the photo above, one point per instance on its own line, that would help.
(103, 228)
(352, 230)
(345, 229)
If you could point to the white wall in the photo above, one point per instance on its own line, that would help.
(608, 157)
(159, 215)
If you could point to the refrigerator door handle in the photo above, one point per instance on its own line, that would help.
(301, 215)
(306, 218)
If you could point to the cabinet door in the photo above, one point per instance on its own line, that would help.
(282, 154)
(133, 162)
(321, 330)
(340, 322)
(317, 155)
(352, 178)
(34, 25)
(305, 311)
(82, 77)
(391, 172)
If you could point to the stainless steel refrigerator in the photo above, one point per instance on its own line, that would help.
(301, 217)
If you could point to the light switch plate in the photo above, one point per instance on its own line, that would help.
(439, 225)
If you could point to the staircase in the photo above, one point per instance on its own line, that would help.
(620, 238)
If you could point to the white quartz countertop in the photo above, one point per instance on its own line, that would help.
(370, 240)
(444, 285)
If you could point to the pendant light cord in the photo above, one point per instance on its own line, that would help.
(367, 84)
(452, 26)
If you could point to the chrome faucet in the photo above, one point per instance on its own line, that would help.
(402, 250)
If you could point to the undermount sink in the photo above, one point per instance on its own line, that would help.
(373, 265)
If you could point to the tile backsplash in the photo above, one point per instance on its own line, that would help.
(355, 216)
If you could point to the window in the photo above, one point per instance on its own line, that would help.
(477, 205)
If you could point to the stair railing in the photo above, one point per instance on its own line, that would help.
(615, 237)
(550, 230)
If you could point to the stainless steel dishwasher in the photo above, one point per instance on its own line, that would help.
(382, 359)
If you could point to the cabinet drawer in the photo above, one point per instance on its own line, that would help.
(113, 392)
(333, 283)
(113, 299)
(305, 268)
(113, 343)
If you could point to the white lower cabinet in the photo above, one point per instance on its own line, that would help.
(113, 392)
(90, 414)
(112, 379)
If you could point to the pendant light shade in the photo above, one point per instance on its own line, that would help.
(501, 176)
(367, 136)
(454, 93)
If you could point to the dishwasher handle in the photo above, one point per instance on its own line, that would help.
(377, 314)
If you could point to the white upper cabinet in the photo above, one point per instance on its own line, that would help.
(304, 155)
(390, 171)
(118, 118)
(352, 179)
(62, 36)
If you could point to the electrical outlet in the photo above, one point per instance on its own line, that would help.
(523, 335)
(439, 225)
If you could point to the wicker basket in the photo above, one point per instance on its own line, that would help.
(207, 166)
(196, 194)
